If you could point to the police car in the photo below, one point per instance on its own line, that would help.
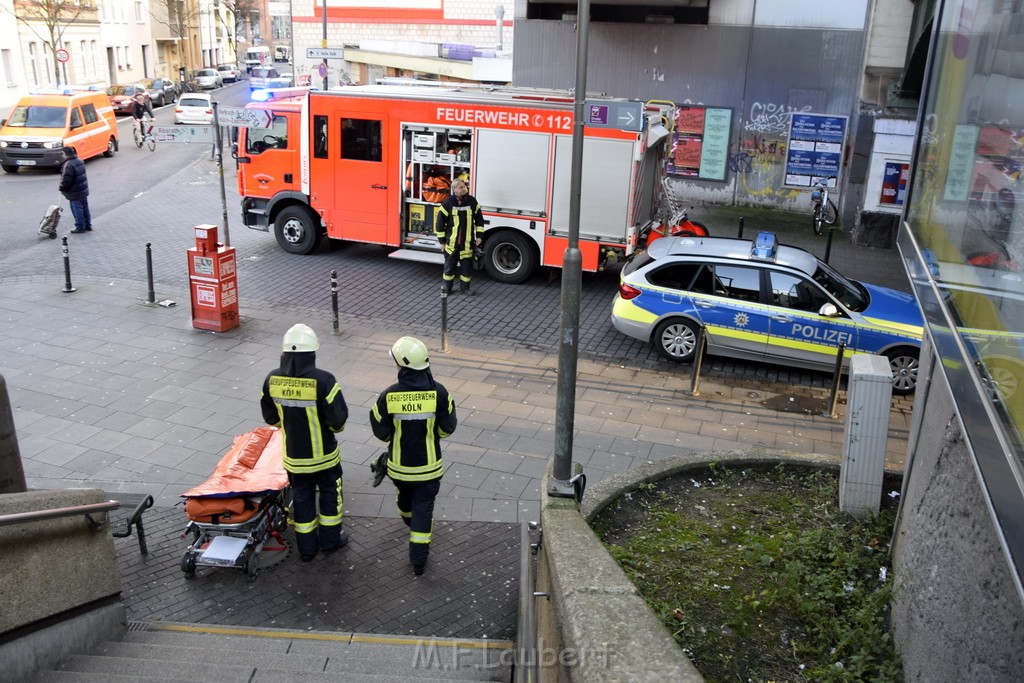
(764, 302)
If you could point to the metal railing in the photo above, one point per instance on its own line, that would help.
(55, 513)
(526, 634)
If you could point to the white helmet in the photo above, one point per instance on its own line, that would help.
(410, 352)
(300, 338)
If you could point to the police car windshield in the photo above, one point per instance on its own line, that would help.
(38, 117)
(851, 294)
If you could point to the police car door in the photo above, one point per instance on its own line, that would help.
(734, 317)
(798, 331)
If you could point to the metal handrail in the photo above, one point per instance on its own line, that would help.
(526, 634)
(54, 513)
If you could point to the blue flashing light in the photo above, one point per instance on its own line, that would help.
(261, 95)
(765, 246)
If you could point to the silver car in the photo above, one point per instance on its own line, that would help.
(208, 79)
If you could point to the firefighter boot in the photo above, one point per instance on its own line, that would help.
(379, 467)
(464, 289)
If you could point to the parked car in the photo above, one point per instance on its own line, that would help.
(263, 77)
(194, 108)
(209, 79)
(161, 90)
(229, 73)
(761, 301)
(120, 97)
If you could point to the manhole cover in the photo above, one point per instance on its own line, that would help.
(795, 404)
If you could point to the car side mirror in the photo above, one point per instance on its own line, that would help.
(828, 311)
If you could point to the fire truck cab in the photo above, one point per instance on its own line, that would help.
(371, 163)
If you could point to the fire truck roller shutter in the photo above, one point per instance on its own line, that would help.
(604, 198)
(511, 170)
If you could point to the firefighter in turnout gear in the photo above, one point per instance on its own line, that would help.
(307, 404)
(412, 416)
(456, 223)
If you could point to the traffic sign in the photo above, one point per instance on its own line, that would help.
(322, 70)
(63, 55)
(325, 53)
(244, 118)
(183, 133)
(621, 114)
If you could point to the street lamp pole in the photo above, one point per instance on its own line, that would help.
(323, 43)
(561, 482)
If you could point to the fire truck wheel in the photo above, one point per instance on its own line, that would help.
(509, 257)
(297, 231)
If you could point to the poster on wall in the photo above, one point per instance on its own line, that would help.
(894, 183)
(700, 143)
(816, 143)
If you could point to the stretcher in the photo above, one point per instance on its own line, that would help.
(241, 510)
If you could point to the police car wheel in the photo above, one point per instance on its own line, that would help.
(676, 339)
(904, 366)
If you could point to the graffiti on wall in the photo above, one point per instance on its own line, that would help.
(759, 159)
(770, 119)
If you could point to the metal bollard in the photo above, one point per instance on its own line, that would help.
(149, 273)
(444, 321)
(67, 265)
(740, 235)
(698, 361)
(334, 298)
(837, 374)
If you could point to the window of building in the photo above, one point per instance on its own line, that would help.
(33, 63)
(7, 66)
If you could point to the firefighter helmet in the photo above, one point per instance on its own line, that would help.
(411, 353)
(300, 338)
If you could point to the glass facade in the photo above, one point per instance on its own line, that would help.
(963, 237)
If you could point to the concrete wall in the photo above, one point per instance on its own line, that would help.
(59, 582)
(956, 613)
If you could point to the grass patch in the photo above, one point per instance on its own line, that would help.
(758, 575)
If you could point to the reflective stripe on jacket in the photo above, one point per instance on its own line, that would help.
(456, 225)
(413, 416)
(308, 406)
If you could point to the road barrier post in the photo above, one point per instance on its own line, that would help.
(444, 321)
(698, 362)
(67, 265)
(149, 273)
(740, 235)
(837, 374)
(334, 298)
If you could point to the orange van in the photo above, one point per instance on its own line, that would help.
(46, 120)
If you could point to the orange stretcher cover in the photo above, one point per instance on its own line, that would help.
(251, 467)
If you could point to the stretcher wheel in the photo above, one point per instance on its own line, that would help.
(251, 566)
(188, 564)
(53, 235)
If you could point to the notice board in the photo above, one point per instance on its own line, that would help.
(700, 143)
(816, 143)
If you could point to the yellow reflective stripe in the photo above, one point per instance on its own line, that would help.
(303, 465)
(305, 527)
(316, 437)
(887, 325)
(627, 310)
(335, 390)
(737, 334)
(419, 537)
(335, 520)
(292, 388)
(407, 515)
(375, 413)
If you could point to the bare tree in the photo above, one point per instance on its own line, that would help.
(55, 16)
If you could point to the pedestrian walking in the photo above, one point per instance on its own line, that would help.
(456, 224)
(412, 416)
(307, 404)
(75, 187)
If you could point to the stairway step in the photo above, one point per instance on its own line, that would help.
(183, 670)
(238, 643)
(91, 677)
(279, 676)
(214, 652)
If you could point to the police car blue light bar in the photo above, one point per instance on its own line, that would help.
(765, 246)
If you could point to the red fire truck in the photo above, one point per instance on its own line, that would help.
(370, 163)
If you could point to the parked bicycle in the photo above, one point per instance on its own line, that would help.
(143, 132)
(825, 211)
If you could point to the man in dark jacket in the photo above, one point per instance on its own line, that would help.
(308, 406)
(456, 223)
(412, 416)
(75, 188)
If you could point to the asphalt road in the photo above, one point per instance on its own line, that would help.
(140, 197)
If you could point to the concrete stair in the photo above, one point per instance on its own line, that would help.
(230, 654)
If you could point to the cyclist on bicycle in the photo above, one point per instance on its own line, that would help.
(141, 105)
